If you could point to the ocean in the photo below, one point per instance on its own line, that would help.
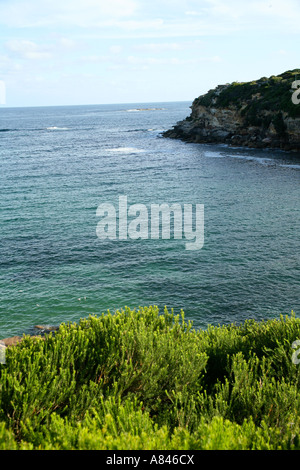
(58, 164)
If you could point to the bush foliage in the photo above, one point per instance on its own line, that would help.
(138, 379)
(273, 94)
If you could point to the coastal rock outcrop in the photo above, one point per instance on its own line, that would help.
(258, 114)
(42, 330)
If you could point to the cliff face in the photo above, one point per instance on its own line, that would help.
(256, 114)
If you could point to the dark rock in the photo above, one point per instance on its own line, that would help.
(228, 114)
(11, 341)
(46, 327)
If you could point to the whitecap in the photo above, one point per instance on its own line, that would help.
(294, 167)
(252, 158)
(134, 110)
(127, 150)
(214, 155)
(54, 128)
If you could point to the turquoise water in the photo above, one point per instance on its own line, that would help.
(59, 163)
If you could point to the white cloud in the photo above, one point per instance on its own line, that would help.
(151, 61)
(193, 13)
(235, 9)
(24, 49)
(93, 58)
(199, 43)
(115, 49)
(28, 50)
(158, 18)
(67, 43)
(159, 47)
(87, 13)
(8, 67)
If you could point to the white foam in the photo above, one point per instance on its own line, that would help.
(295, 167)
(135, 110)
(262, 161)
(54, 128)
(214, 155)
(127, 150)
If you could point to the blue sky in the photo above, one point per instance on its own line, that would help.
(130, 51)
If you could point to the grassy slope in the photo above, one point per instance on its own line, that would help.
(275, 96)
(145, 380)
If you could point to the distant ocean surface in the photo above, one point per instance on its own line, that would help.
(58, 164)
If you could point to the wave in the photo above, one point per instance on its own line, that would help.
(266, 161)
(294, 167)
(214, 155)
(54, 128)
(22, 130)
(136, 110)
(251, 158)
(127, 150)
(144, 130)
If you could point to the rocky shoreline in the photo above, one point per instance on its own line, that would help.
(245, 137)
(39, 331)
(259, 114)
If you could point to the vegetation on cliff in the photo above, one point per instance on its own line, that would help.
(145, 380)
(256, 114)
(266, 94)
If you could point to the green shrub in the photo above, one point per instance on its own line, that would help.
(272, 94)
(139, 379)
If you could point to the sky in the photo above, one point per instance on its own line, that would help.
(76, 52)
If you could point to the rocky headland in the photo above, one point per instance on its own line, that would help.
(260, 114)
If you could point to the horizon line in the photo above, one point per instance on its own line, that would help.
(93, 104)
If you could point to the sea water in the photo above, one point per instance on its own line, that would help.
(58, 164)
